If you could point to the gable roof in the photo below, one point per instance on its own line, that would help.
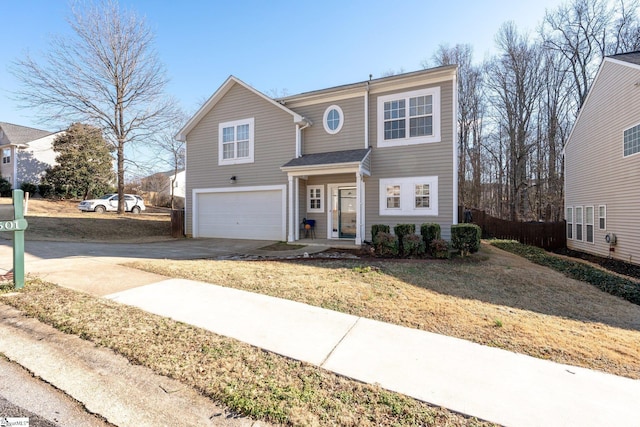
(628, 59)
(20, 135)
(219, 94)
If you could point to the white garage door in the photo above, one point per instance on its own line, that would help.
(252, 214)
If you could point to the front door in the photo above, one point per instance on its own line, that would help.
(347, 213)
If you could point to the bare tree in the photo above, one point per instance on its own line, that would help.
(106, 74)
(471, 108)
(514, 81)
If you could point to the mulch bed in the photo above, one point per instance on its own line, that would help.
(611, 264)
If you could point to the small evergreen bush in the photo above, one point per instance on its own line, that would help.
(440, 249)
(412, 245)
(386, 245)
(45, 190)
(376, 228)
(429, 232)
(402, 230)
(29, 187)
(5, 188)
(465, 238)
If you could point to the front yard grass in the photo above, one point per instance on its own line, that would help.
(251, 381)
(492, 298)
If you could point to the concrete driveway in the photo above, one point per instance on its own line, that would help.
(95, 267)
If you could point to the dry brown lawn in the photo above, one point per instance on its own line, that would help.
(60, 220)
(493, 298)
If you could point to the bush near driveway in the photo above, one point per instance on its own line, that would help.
(610, 283)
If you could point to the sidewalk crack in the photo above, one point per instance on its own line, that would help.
(339, 342)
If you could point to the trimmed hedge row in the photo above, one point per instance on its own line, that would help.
(607, 282)
(406, 243)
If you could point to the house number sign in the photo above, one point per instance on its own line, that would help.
(12, 219)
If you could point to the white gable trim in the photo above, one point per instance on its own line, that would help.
(219, 94)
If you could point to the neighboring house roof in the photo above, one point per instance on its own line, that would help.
(631, 57)
(21, 135)
(219, 94)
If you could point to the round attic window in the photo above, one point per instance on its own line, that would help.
(333, 119)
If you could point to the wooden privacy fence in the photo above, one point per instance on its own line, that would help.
(177, 223)
(546, 235)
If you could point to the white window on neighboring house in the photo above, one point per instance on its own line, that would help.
(235, 142)
(6, 155)
(412, 196)
(409, 118)
(579, 223)
(315, 197)
(602, 217)
(588, 213)
(569, 223)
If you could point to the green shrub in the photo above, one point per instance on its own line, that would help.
(45, 190)
(402, 230)
(412, 245)
(386, 245)
(28, 187)
(429, 233)
(5, 188)
(439, 249)
(465, 238)
(603, 280)
(377, 228)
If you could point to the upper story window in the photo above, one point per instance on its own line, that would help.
(632, 140)
(235, 142)
(6, 155)
(333, 119)
(409, 118)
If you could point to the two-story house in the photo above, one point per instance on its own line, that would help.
(602, 164)
(381, 151)
(26, 153)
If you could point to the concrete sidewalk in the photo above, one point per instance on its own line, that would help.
(488, 383)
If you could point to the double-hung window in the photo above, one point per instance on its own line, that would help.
(588, 213)
(631, 141)
(315, 195)
(409, 118)
(579, 223)
(602, 217)
(569, 223)
(235, 142)
(412, 196)
(6, 155)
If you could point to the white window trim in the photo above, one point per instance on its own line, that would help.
(586, 224)
(603, 216)
(407, 140)
(315, 187)
(407, 196)
(236, 161)
(570, 223)
(623, 131)
(326, 115)
(579, 221)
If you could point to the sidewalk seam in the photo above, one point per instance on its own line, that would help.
(339, 342)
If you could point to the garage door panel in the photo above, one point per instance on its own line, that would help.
(241, 215)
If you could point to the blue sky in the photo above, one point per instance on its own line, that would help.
(295, 46)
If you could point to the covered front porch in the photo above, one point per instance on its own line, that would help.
(326, 196)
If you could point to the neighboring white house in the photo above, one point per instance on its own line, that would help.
(26, 153)
(179, 184)
(602, 164)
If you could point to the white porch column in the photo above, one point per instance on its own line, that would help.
(291, 234)
(358, 208)
(296, 197)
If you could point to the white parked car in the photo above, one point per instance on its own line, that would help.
(109, 202)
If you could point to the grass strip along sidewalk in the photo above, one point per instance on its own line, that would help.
(603, 280)
(248, 380)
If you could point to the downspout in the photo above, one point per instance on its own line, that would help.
(366, 115)
(299, 130)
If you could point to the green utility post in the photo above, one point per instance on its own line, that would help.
(12, 219)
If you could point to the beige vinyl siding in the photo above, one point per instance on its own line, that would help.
(274, 142)
(432, 159)
(596, 173)
(316, 140)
